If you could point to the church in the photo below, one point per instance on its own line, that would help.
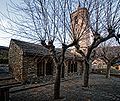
(30, 62)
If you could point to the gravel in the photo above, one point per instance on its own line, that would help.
(100, 89)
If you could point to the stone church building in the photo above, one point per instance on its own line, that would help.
(29, 61)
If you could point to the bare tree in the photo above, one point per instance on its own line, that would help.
(108, 51)
(44, 21)
(49, 20)
(104, 24)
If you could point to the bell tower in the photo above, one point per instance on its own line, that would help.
(80, 27)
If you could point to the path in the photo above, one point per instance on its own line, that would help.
(100, 89)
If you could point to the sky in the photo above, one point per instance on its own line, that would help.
(4, 37)
(3, 40)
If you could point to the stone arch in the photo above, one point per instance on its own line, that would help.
(40, 67)
(49, 66)
(44, 66)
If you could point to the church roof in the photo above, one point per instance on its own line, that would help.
(35, 49)
(31, 48)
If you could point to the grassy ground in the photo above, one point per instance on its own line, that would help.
(100, 89)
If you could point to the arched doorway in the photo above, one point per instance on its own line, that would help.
(49, 67)
(40, 67)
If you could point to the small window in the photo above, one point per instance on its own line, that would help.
(76, 19)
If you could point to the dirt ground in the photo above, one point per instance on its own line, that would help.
(100, 89)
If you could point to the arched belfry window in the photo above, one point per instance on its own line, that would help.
(76, 19)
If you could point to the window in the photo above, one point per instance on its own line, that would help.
(76, 19)
(44, 68)
(72, 67)
(40, 68)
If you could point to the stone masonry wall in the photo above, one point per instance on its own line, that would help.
(15, 60)
(30, 68)
(30, 71)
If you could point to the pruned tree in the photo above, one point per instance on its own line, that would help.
(108, 51)
(50, 21)
(44, 21)
(104, 21)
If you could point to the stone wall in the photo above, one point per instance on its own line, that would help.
(29, 68)
(15, 60)
(30, 71)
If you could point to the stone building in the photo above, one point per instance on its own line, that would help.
(32, 63)
(105, 55)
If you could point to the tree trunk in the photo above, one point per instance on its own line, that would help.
(86, 74)
(57, 83)
(58, 75)
(62, 71)
(108, 70)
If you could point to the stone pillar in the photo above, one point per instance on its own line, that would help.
(79, 68)
(66, 69)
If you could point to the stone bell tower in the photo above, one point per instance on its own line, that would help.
(80, 27)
